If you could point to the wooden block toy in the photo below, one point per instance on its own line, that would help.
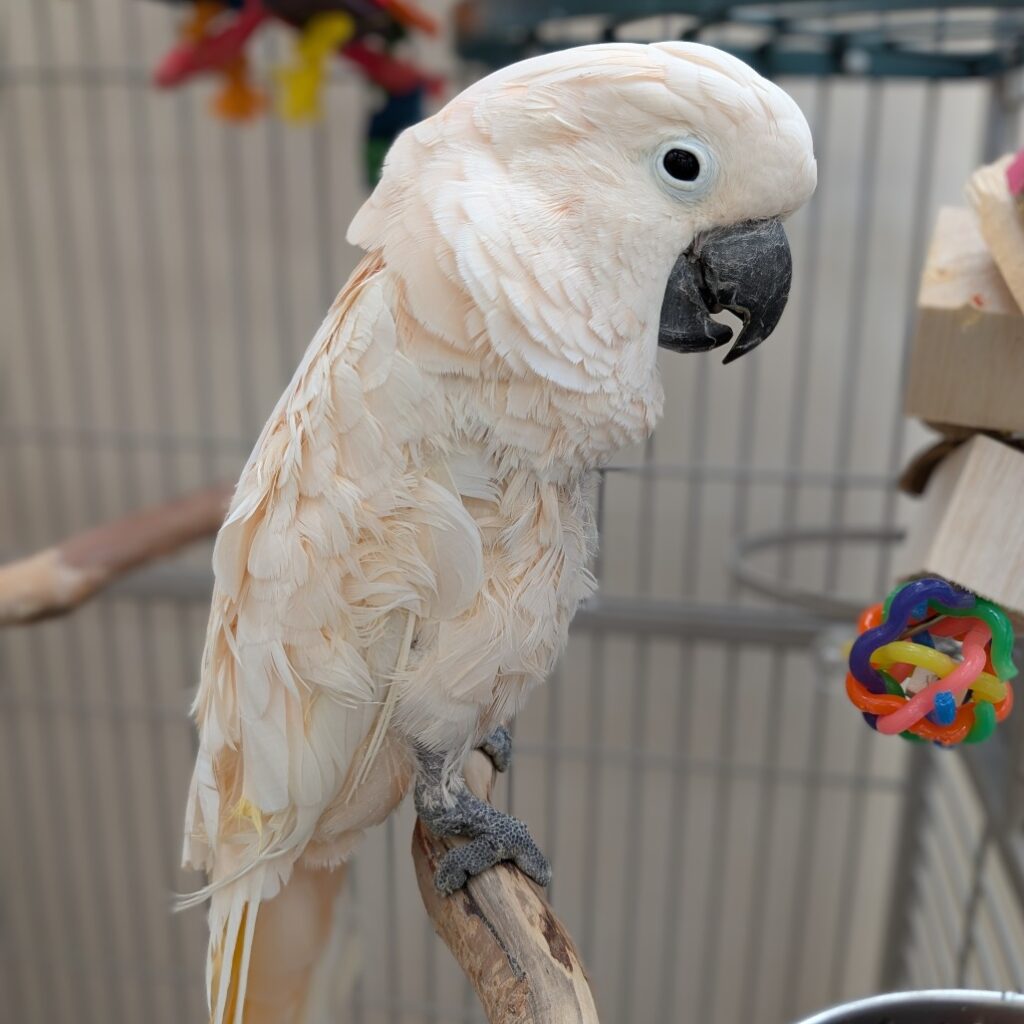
(967, 527)
(1001, 221)
(967, 356)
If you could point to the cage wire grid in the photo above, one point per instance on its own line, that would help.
(729, 842)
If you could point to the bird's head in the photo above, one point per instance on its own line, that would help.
(583, 207)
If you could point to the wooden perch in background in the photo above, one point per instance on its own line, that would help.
(58, 579)
(502, 931)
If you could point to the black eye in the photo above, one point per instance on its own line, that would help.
(681, 164)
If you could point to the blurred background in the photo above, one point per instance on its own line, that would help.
(730, 843)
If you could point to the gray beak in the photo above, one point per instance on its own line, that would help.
(746, 269)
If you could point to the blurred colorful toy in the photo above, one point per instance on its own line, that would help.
(302, 82)
(214, 40)
(903, 684)
(202, 49)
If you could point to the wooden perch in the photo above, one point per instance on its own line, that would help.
(58, 579)
(504, 935)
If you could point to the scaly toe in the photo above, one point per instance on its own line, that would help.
(501, 838)
(533, 863)
(494, 836)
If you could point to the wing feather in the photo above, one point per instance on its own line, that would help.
(338, 533)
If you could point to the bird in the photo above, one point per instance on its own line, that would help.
(411, 535)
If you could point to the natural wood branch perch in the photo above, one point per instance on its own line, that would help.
(501, 930)
(60, 578)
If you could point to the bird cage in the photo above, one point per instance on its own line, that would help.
(729, 842)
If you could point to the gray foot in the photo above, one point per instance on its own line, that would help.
(498, 747)
(494, 837)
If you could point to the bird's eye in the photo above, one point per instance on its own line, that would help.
(681, 164)
(685, 167)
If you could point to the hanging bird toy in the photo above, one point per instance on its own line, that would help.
(215, 37)
(903, 680)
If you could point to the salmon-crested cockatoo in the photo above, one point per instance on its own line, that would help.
(410, 537)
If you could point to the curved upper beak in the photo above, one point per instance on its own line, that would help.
(746, 269)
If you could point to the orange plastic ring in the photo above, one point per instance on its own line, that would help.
(885, 703)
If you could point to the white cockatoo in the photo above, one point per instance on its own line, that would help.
(409, 538)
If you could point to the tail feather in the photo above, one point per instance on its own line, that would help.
(264, 952)
(242, 974)
(228, 965)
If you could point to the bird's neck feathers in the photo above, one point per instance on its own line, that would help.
(548, 408)
(536, 306)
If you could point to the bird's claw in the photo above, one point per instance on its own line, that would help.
(498, 747)
(494, 837)
(464, 862)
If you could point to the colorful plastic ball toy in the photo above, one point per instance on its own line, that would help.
(904, 685)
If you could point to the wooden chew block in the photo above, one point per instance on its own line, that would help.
(969, 527)
(1002, 224)
(967, 357)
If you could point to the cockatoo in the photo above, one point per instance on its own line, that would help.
(410, 537)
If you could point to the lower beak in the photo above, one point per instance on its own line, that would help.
(745, 269)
